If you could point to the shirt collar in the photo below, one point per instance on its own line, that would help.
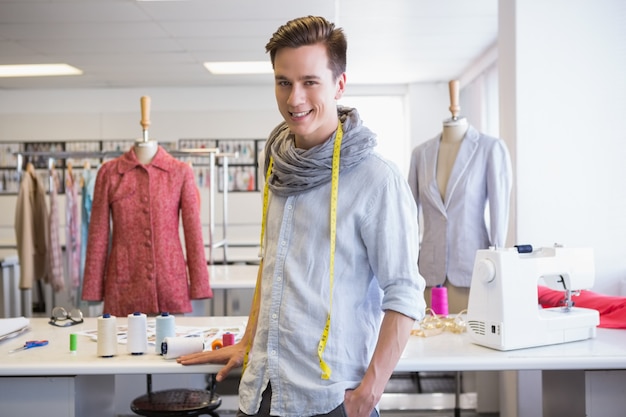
(162, 160)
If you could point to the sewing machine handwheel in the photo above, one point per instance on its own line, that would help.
(485, 271)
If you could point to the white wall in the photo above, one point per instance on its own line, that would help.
(428, 108)
(562, 89)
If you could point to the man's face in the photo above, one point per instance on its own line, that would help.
(307, 93)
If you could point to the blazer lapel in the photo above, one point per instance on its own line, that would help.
(430, 156)
(463, 159)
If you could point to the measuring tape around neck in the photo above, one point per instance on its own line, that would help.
(326, 371)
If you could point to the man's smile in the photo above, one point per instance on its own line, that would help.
(299, 114)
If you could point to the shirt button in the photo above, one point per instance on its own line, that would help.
(144, 199)
(273, 353)
(274, 316)
(279, 279)
(146, 232)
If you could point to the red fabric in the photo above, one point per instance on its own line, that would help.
(612, 309)
(145, 269)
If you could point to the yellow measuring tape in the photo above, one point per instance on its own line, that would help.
(326, 371)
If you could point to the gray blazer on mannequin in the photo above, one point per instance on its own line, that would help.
(455, 229)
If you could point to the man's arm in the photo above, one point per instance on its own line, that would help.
(231, 356)
(393, 337)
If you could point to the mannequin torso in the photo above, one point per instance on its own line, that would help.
(145, 151)
(451, 138)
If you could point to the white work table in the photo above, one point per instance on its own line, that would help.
(455, 352)
(86, 376)
(233, 288)
(55, 359)
(444, 352)
(49, 380)
(236, 276)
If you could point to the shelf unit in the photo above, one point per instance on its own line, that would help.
(9, 178)
(241, 172)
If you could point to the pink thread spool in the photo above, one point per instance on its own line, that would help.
(439, 300)
(228, 339)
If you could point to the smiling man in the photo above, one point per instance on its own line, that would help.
(307, 92)
(338, 289)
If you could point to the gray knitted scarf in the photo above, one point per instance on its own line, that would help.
(296, 170)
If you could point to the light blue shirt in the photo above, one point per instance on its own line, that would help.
(375, 270)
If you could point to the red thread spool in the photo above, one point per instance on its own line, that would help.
(439, 300)
(228, 339)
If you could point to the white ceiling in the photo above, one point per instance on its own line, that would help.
(125, 43)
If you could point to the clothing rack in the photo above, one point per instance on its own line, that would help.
(214, 155)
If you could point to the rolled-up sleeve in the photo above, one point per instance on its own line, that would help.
(391, 236)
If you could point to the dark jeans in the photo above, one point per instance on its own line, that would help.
(264, 409)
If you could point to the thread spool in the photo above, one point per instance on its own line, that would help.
(107, 335)
(73, 343)
(173, 347)
(228, 339)
(217, 344)
(165, 327)
(439, 300)
(137, 339)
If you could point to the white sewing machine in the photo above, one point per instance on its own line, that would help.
(503, 311)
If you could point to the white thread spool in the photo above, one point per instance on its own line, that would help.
(173, 347)
(137, 339)
(107, 335)
(165, 327)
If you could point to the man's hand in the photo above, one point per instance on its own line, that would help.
(231, 356)
(357, 405)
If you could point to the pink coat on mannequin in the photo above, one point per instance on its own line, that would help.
(145, 269)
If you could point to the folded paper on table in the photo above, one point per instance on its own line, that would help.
(12, 326)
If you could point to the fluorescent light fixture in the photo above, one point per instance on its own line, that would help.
(240, 67)
(38, 70)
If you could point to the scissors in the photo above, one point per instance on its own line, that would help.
(30, 344)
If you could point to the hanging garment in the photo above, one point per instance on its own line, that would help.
(72, 235)
(145, 269)
(31, 229)
(55, 275)
(87, 189)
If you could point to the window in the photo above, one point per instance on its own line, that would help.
(386, 117)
